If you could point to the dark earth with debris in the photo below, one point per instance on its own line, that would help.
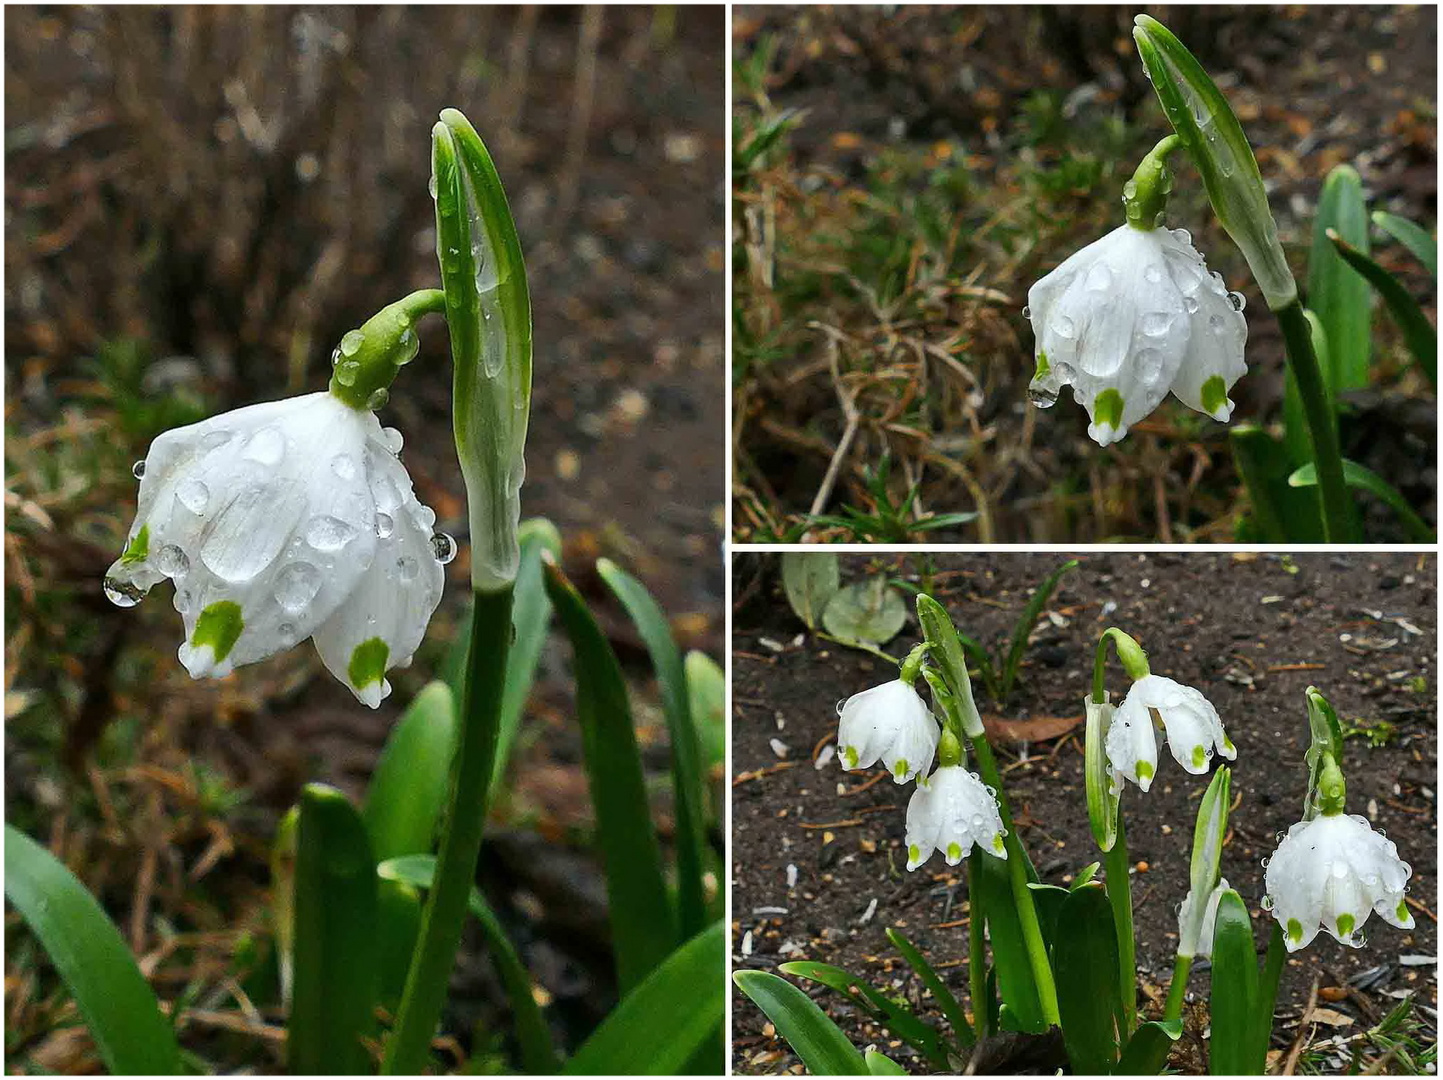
(1251, 631)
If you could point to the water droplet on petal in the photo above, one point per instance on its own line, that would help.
(296, 586)
(138, 470)
(1153, 273)
(1238, 300)
(287, 633)
(392, 441)
(344, 466)
(1044, 397)
(443, 548)
(213, 439)
(326, 533)
(407, 567)
(424, 516)
(1149, 365)
(1182, 236)
(172, 561)
(378, 398)
(1027, 311)
(1099, 278)
(1064, 327)
(385, 525)
(193, 495)
(123, 593)
(182, 600)
(351, 343)
(335, 356)
(1156, 323)
(266, 446)
(1190, 303)
(1266, 903)
(410, 346)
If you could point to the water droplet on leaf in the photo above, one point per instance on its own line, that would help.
(351, 342)
(378, 399)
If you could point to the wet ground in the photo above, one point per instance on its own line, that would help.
(1252, 632)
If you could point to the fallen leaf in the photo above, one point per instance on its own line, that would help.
(1038, 729)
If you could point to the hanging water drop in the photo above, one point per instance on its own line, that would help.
(1042, 396)
(138, 470)
(1238, 300)
(1027, 311)
(385, 525)
(123, 593)
(378, 398)
(443, 548)
(172, 561)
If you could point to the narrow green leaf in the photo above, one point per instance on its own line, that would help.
(1418, 332)
(882, 1065)
(941, 993)
(1295, 420)
(1411, 236)
(976, 652)
(813, 1037)
(1360, 476)
(690, 807)
(1015, 982)
(1232, 1050)
(398, 924)
(1048, 900)
(706, 685)
(336, 969)
(661, 1024)
(1341, 298)
(1148, 1049)
(283, 900)
(810, 580)
(408, 789)
(1278, 514)
(1085, 960)
(1028, 619)
(538, 1054)
(902, 1022)
(116, 1003)
(643, 927)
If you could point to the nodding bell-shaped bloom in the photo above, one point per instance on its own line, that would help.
(1194, 730)
(891, 724)
(282, 521)
(949, 812)
(1130, 317)
(1203, 946)
(1330, 874)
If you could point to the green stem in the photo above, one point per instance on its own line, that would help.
(1021, 894)
(1175, 992)
(1322, 422)
(1119, 894)
(1129, 654)
(976, 949)
(1268, 993)
(369, 358)
(440, 936)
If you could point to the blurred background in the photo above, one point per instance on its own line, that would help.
(902, 175)
(199, 202)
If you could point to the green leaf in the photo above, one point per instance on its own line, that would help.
(1411, 236)
(1338, 295)
(336, 971)
(1418, 332)
(1148, 1049)
(283, 900)
(1023, 630)
(115, 1001)
(1015, 982)
(538, 1054)
(1295, 419)
(977, 653)
(1048, 900)
(882, 1065)
(1359, 476)
(810, 579)
(813, 1037)
(690, 806)
(398, 925)
(941, 994)
(1085, 960)
(1232, 1050)
(902, 1022)
(660, 1025)
(408, 789)
(643, 927)
(870, 611)
(488, 314)
(1279, 514)
(706, 686)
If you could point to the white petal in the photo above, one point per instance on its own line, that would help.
(1220, 333)
(949, 812)
(1194, 729)
(382, 622)
(1131, 744)
(888, 723)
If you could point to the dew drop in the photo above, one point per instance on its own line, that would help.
(424, 516)
(335, 356)
(287, 633)
(182, 600)
(344, 466)
(1182, 236)
(378, 398)
(351, 343)
(123, 593)
(1099, 278)
(431, 185)
(1027, 311)
(1238, 300)
(1190, 303)
(326, 533)
(296, 586)
(1360, 939)
(385, 525)
(193, 495)
(347, 372)
(1064, 327)
(1153, 273)
(1149, 362)
(1041, 396)
(408, 568)
(213, 440)
(1156, 323)
(266, 446)
(1129, 190)
(171, 561)
(1265, 862)
(410, 346)
(1266, 903)
(443, 548)
(138, 470)
(392, 441)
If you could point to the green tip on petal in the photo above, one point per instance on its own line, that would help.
(998, 844)
(914, 853)
(1044, 367)
(900, 768)
(219, 626)
(368, 663)
(954, 851)
(849, 755)
(1401, 911)
(1144, 770)
(1199, 757)
(1295, 930)
(1214, 395)
(138, 549)
(1346, 922)
(1108, 408)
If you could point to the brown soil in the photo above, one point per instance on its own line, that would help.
(1250, 631)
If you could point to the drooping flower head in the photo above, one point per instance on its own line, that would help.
(891, 724)
(1129, 318)
(289, 520)
(1187, 921)
(1194, 730)
(1330, 874)
(949, 812)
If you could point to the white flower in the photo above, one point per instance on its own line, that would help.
(1130, 317)
(1194, 730)
(949, 812)
(282, 521)
(1331, 873)
(888, 723)
(1203, 945)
